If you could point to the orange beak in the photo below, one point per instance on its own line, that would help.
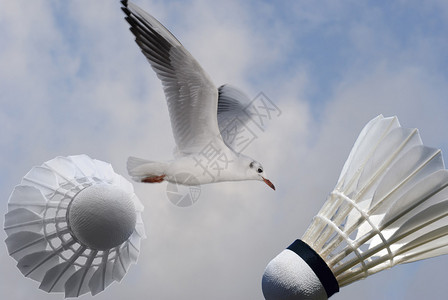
(268, 182)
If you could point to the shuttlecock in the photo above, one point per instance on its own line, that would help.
(74, 225)
(389, 206)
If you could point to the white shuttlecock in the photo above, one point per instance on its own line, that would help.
(74, 225)
(389, 206)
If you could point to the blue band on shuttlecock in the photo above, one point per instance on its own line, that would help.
(317, 264)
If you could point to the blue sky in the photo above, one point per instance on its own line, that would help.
(73, 81)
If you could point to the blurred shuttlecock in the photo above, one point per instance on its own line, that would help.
(74, 225)
(389, 206)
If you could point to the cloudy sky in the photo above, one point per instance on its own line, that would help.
(73, 81)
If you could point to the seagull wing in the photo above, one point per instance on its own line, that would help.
(191, 95)
(233, 117)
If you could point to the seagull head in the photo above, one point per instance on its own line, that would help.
(256, 171)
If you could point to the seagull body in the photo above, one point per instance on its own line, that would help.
(199, 112)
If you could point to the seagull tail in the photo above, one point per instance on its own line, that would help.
(139, 168)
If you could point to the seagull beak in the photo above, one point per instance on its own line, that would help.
(268, 182)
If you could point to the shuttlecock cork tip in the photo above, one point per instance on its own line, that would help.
(101, 216)
(298, 273)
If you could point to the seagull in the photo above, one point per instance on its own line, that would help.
(199, 112)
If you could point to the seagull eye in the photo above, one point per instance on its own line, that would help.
(260, 170)
(251, 165)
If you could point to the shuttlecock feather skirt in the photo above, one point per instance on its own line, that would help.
(390, 205)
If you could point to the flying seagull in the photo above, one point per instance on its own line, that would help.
(199, 113)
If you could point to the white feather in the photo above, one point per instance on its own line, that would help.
(389, 206)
